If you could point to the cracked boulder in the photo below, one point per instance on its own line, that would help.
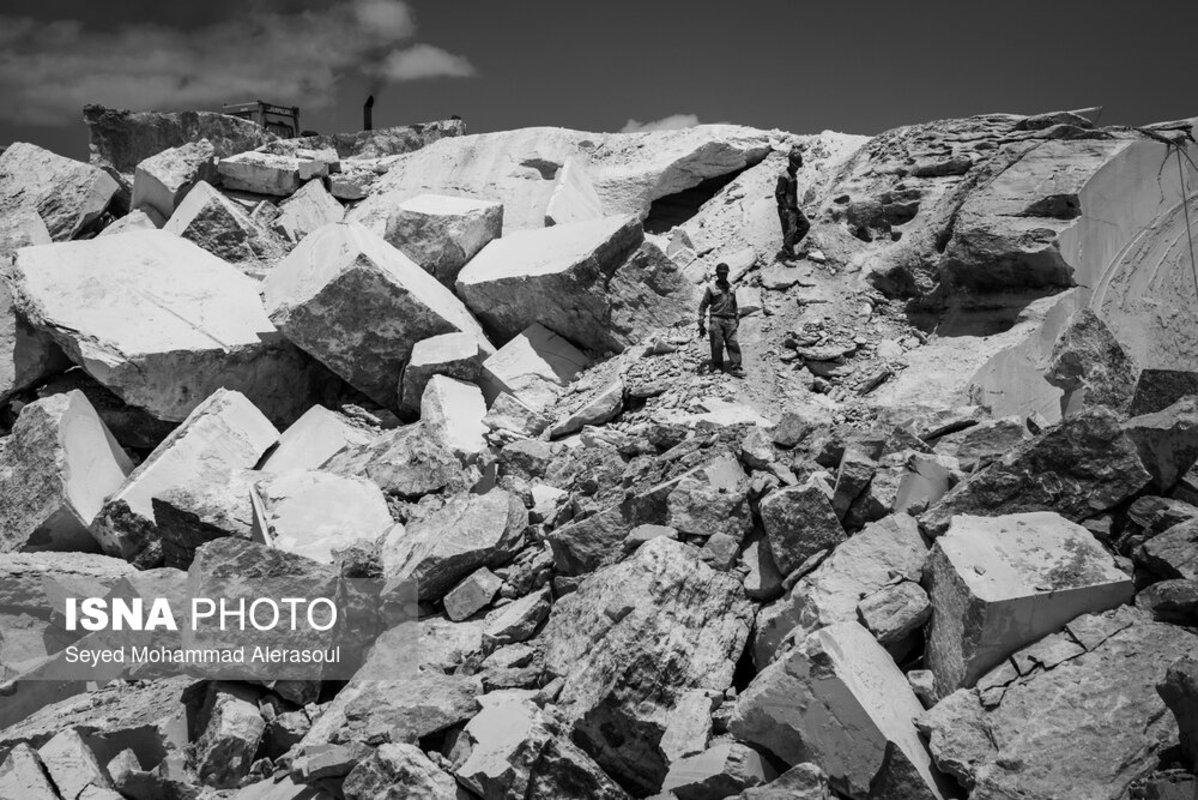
(1076, 716)
(1172, 554)
(1090, 367)
(214, 222)
(720, 771)
(1167, 441)
(23, 775)
(57, 467)
(409, 462)
(358, 305)
(662, 612)
(839, 701)
(396, 771)
(455, 355)
(999, 583)
(800, 521)
(67, 194)
(442, 233)
(534, 367)
(161, 323)
(163, 180)
(73, 767)
(315, 514)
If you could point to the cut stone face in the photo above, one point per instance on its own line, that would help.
(261, 173)
(315, 513)
(573, 198)
(68, 195)
(313, 439)
(999, 583)
(442, 233)
(454, 411)
(457, 355)
(533, 367)
(160, 322)
(310, 208)
(22, 775)
(163, 180)
(358, 305)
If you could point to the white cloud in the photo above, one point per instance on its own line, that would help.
(670, 123)
(49, 71)
(423, 61)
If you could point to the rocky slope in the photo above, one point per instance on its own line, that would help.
(938, 543)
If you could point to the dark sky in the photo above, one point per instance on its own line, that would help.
(801, 66)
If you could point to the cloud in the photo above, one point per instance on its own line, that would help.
(50, 70)
(670, 123)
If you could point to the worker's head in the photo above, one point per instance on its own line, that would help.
(721, 271)
(795, 159)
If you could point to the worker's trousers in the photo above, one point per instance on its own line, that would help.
(722, 332)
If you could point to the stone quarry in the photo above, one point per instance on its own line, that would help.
(940, 542)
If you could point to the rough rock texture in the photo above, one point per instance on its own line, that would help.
(1000, 583)
(163, 180)
(986, 442)
(516, 621)
(409, 462)
(189, 515)
(895, 612)
(1079, 468)
(217, 224)
(56, 469)
(474, 592)
(1167, 441)
(72, 765)
(358, 305)
(261, 173)
(838, 701)
(1172, 554)
(1079, 720)
(534, 367)
(1179, 690)
(314, 514)
(68, 195)
(22, 775)
(234, 728)
(456, 355)
(454, 411)
(313, 439)
(712, 499)
(800, 782)
(442, 233)
(726, 768)
(1090, 367)
(161, 323)
(661, 612)
(224, 432)
(309, 208)
(799, 521)
(398, 772)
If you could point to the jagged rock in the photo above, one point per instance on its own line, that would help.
(688, 728)
(223, 432)
(342, 280)
(162, 181)
(21, 226)
(979, 445)
(838, 700)
(710, 500)
(799, 521)
(1179, 690)
(406, 710)
(1167, 440)
(286, 789)
(161, 323)
(309, 208)
(1152, 515)
(762, 579)
(1090, 367)
(56, 469)
(660, 612)
(1083, 466)
(474, 592)
(895, 612)
(723, 770)
(22, 775)
(214, 222)
(139, 219)
(27, 356)
(1172, 554)
(881, 495)
(314, 514)
(830, 593)
(534, 367)
(313, 439)
(926, 479)
(398, 772)
(509, 414)
(469, 532)
(517, 621)
(800, 782)
(1078, 727)
(597, 408)
(1173, 601)
(647, 292)
(720, 551)
(554, 276)
(230, 738)
(262, 173)
(442, 233)
(408, 461)
(189, 515)
(72, 766)
(856, 470)
(573, 198)
(454, 411)
(68, 195)
(455, 355)
(1000, 583)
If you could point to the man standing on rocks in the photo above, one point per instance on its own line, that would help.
(720, 297)
(794, 222)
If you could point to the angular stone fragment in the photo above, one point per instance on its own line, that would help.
(1081, 467)
(313, 439)
(856, 470)
(1179, 690)
(23, 776)
(163, 180)
(999, 583)
(27, 356)
(800, 782)
(310, 208)
(190, 515)
(711, 499)
(1172, 554)
(397, 771)
(442, 233)
(980, 444)
(1090, 367)
(894, 612)
(21, 227)
(552, 276)
(509, 414)
(597, 408)
(455, 355)
(224, 432)
(56, 469)
(647, 292)
(67, 194)
(286, 789)
(454, 411)
(313, 513)
(724, 769)
(1084, 729)
(261, 173)
(72, 765)
(838, 700)
(136, 220)
(799, 521)
(688, 728)
(762, 581)
(405, 710)
(533, 367)
(1167, 441)
(358, 305)
(516, 621)
(226, 748)
(927, 479)
(662, 611)
(408, 461)
(475, 591)
(214, 222)
(573, 198)
(469, 532)
(161, 323)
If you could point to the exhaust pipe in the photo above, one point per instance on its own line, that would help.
(368, 114)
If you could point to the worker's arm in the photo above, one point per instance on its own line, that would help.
(703, 305)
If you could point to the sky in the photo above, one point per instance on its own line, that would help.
(856, 67)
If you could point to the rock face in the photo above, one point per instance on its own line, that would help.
(799, 521)
(608, 642)
(398, 772)
(309, 208)
(67, 195)
(161, 323)
(555, 276)
(1080, 468)
(838, 701)
(23, 775)
(409, 462)
(1079, 720)
(27, 356)
(224, 432)
(1179, 690)
(56, 469)
(1167, 441)
(163, 180)
(215, 223)
(314, 514)
(1000, 583)
(1090, 367)
(358, 305)
(454, 411)
(455, 355)
(533, 367)
(442, 233)
(313, 439)
(261, 173)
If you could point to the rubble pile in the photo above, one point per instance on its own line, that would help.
(941, 541)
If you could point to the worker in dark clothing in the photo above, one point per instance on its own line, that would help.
(720, 298)
(794, 222)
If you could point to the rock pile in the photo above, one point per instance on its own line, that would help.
(940, 543)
